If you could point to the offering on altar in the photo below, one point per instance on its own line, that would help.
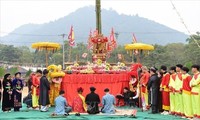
(87, 71)
(99, 67)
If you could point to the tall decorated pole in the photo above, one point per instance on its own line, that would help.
(98, 16)
(99, 42)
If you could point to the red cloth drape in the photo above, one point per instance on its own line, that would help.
(115, 82)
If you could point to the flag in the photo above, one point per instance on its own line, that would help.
(71, 37)
(135, 41)
(89, 40)
(84, 55)
(112, 39)
(95, 33)
(134, 38)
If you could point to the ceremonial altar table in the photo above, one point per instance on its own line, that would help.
(115, 82)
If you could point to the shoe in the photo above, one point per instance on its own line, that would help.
(43, 110)
(37, 109)
(162, 113)
(166, 113)
(66, 114)
(152, 113)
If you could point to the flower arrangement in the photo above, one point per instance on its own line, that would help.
(99, 62)
(76, 64)
(68, 68)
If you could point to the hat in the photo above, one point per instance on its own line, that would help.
(17, 73)
(163, 67)
(185, 69)
(92, 89)
(196, 66)
(6, 75)
(80, 89)
(173, 68)
(179, 65)
(153, 69)
(106, 90)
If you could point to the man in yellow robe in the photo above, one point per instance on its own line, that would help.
(187, 93)
(172, 89)
(195, 92)
(178, 91)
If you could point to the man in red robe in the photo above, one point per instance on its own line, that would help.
(143, 84)
(79, 104)
(164, 87)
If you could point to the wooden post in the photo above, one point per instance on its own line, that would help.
(46, 58)
(98, 16)
(70, 51)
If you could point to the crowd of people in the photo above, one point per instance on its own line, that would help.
(173, 92)
(38, 97)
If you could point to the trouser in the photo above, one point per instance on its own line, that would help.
(68, 109)
(196, 105)
(178, 104)
(165, 101)
(187, 102)
(172, 102)
(35, 98)
(154, 108)
(0, 99)
(16, 108)
(149, 97)
(144, 100)
(28, 102)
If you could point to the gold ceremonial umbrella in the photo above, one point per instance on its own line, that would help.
(138, 46)
(47, 46)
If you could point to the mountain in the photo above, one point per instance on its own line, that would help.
(83, 20)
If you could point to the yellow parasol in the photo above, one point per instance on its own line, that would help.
(138, 46)
(47, 46)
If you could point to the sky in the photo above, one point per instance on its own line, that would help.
(14, 13)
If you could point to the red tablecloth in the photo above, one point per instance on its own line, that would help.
(115, 82)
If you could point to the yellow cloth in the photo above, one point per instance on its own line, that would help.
(83, 100)
(187, 102)
(54, 92)
(195, 84)
(172, 95)
(178, 96)
(172, 102)
(35, 98)
(145, 98)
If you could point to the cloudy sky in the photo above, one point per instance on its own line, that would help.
(14, 13)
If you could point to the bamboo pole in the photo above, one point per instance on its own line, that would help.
(70, 51)
(46, 58)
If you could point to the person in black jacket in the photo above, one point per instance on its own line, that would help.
(7, 102)
(92, 100)
(44, 92)
(153, 85)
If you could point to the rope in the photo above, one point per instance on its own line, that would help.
(182, 21)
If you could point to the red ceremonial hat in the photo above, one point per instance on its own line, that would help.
(80, 89)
